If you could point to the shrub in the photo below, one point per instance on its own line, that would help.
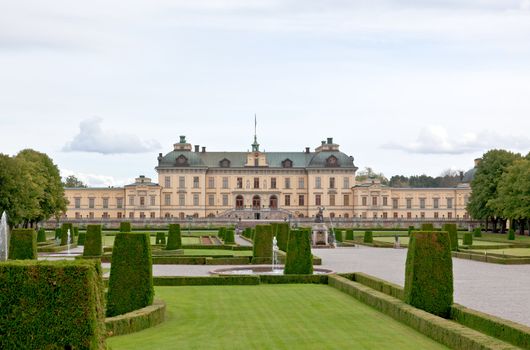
(299, 260)
(429, 273)
(81, 238)
(229, 236)
(511, 234)
(453, 235)
(262, 242)
(411, 228)
(23, 244)
(58, 233)
(468, 238)
(93, 246)
(247, 232)
(131, 275)
(338, 235)
(477, 232)
(76, 231)
(160, 238)
(282, 235)
(368, 237)
(125, 226)
(64, 233)
(51, 305)
(174, 240)
(349, 235)
(221, 233)
(41, 235)
(427, 226)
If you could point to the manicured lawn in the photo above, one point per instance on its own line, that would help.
(109, 240)
(405, 241)
(270, 317)
(518, 252)
(503, 237)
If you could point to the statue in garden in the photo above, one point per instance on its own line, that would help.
(320, 216)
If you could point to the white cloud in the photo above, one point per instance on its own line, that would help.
(92, 138)
(97, 180)
(437, 140)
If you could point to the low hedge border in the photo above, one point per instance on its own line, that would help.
(293, 279)
(136, 320)
(491, 258)
(375, 243)
(55, 248)
(449, 333)
(378, 284)
(244, 260)
(243, 280)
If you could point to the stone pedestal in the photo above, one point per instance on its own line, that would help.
(320, 236)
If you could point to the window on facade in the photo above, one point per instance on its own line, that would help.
(196, 199)
(287, 182)
(211, 182)
(374, 200)
(225, 200)
(449, 203)
(119, 203)
(318, 183)
(120, 215)
(395, 203)
(225, 182)
(142, 215)
(409, 203)
(77, 203)
(301, 200)
(318, 199)
(131, 215)
(422, 215)
(449, 215)
(273, 182)
(385, 215)
(131, 200)
(331, 182)
(256, 161)
(435, 203)
(105, 215)
(152, 215)
(385, 201)
(346, 182)
(167, 181)
(422, 203)
(239, 182)
(287, 200)
(364, 201)
(77, 215)
(142, 201)
(395, 215)
(436, 215)
(91, 215)
(301, 182)
(182, 181)
(195, 182)
(346, 199)
(167, 199)
(256, 182)
(211, 200)
(331, 199)
(91, 202)
(182, 199)
(152, 200)
(105, 203)
(409, 215)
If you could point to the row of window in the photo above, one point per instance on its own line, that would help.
(119, 202)
(255, 182)
(395, 202)
(395, 215)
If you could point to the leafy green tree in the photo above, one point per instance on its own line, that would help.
(73, 182)
(399, 181)
(369, 173)
(482, 202)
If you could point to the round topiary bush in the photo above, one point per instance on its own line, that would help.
(262, 242)
(160, 238)
(511, 234)
(427, 226)
(64, 233)
(41, 235)
(349, 235)
(368, 237)
(477, 232)
(299, 259)
(23, 244)
(131, 274)
(429, 273)
(174, 240)
(125, 226)
(282, 235)
(93, 245)
(453, 235)
(468, 238)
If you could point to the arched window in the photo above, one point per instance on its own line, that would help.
(332, 215)
(240, 202)
(256, 202)
(287, 163)
(273, 202)
(332, 161)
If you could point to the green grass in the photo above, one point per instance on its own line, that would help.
(476, 242)
(270, 317)
(503, 237)
(108, 241)
(515, 252)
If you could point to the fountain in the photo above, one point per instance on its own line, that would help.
(68, 241)
(274, 253)
(4, 238)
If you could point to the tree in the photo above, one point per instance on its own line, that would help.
(369, 173)
(399, 181)
(482, 204)
(73, 182)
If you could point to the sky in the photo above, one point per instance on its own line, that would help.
(405, 87)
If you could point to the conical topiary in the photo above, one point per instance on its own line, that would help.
(174, 240)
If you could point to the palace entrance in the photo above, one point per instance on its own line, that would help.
(256, 202)
(273, 202)
(240, 202)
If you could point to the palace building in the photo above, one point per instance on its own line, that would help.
(194, 182)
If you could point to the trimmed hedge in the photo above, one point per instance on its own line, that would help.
(410, 229)
(299, 260)
(221, 233)
(41, 235)
(23, 244)
(511, 234)
(137, 320)
(81, 238)
(206, 280)
(131, 274)
(247, 232)
(451, 229)
(477, 232)
(174, 240)
(282, 235)
(76, 231)
(125, 226)
(262, 242)
(51, 305)
(429, 273)
(58, 233)
(338, 235)
(64, 233)
(293, 279)
(427, 226)
(229, 236)
(468, 238)
(93, 245)
(349, 235)
(368, 237)
(160, 238)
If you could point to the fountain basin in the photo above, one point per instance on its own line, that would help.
(261, 270)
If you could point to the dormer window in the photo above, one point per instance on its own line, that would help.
(182, 160)
(332, 161)
(287, 163)
(224, 163)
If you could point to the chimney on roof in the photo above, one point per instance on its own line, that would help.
(461, 174)
(196, 148)
(307, 150)
(203, 149)
(323, 143)
(330, 140)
